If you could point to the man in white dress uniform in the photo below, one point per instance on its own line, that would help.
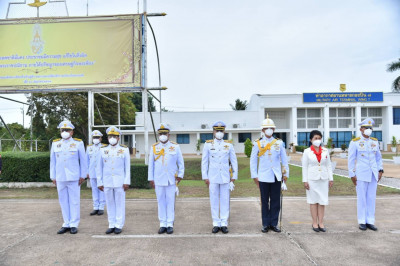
(365, 169)
(68, 170)
(218, 158)
(92, 152)
(166, 169)
(266, 158)
(114, 178)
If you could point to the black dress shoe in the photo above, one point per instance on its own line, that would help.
(117, 231)
(224, 229)
(63, 230)
(322, 229)
(162, 230)
(264, 229)
(275, 229)
(215, 229)
(101, 212)
(170, 230)
(362, 227)
(74, 230)
(110, 230)
(372, 227)
(315, 229)
(94, 212)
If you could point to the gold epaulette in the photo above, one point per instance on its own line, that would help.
(173, 142)
(373, 138)
(55, 140)
(77, 139)
(228, 141)
(90, 145)
(124, 146)
(355, 139)
(155, 143)
(209, 141)
(104, 145)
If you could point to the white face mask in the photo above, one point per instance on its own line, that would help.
(219, 135)
(96, 141)
(112, 141)
(317, 142)
(269, 132)
(65, 135)
(368, 132)
(163, 138)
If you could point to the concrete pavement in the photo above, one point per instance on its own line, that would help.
(28, 235)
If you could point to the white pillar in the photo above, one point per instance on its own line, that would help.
(294, 126)
(387, 131)
(358, 119)
(326, 123)
(230, 135)
(90, 116)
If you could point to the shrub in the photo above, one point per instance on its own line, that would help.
(35, 167)
(300, 148)
(248, 146)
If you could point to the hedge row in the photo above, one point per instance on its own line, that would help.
(35, 167)
(301, 148)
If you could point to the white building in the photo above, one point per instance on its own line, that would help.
(335, 114)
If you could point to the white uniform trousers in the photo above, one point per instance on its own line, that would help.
(166, 205)
(98, 196)
(115, 200)
(219, 199)
(366, 195)
(69, 195)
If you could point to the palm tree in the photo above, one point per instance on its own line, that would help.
(239, 105)
(394, 66)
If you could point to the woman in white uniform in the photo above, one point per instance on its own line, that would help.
(317, 179)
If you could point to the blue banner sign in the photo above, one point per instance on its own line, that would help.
(342, 97)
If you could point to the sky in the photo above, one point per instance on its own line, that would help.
(213, 52)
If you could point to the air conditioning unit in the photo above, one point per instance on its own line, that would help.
(235, 125)
(203, 126)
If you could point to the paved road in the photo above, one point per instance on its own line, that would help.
(28, 236)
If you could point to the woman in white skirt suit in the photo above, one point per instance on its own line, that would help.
(317, 179)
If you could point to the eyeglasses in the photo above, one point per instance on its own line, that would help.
(96, 137)
(367, 127)
(162, 133)
(112, 137)
(220, 131)
(66, 130)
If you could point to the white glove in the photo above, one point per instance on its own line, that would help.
(284, 187)
(231, 186)
(177, 191)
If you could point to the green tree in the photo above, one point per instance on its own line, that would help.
(239, 105)
(50, 109)
(394, 66)
(248, 146)
(137, 101)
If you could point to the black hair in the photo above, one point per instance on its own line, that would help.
(315, 132)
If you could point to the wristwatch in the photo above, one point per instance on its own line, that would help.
(381, 171)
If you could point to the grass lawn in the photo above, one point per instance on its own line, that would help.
(193, 186)
(388, 156)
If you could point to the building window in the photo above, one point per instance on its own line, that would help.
(377, 134)
(244, 136)
(396, 116)
(374, 113)
(341, 117)
(182, 138)
(309, 118)
(206, 136)
(303, 139)
(341, 137)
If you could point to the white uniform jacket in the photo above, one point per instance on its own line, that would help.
(92, 152)
(269, 161)
(218, 157)
(114, 166)
(365, 158)
(314, 170)
(165, 162)
(67, 160)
